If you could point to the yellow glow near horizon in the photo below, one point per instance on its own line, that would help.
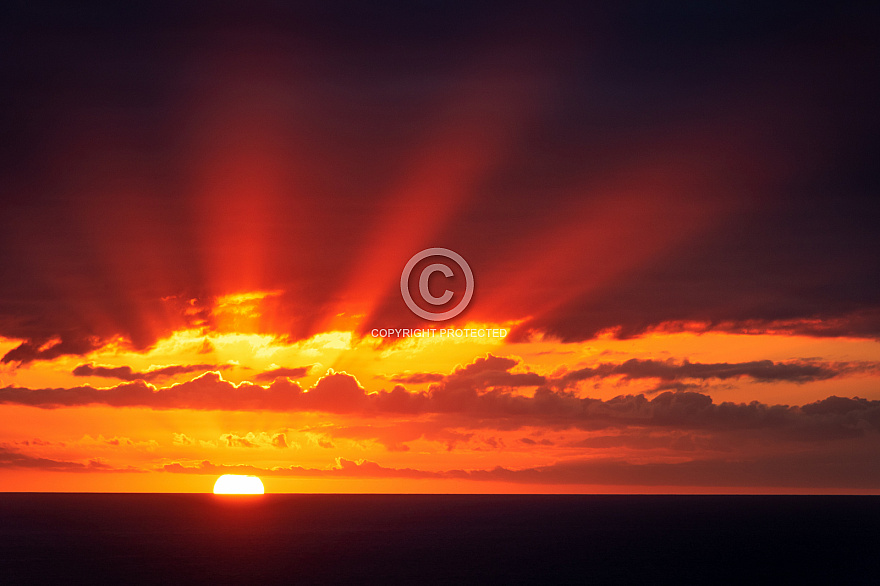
(238, 484)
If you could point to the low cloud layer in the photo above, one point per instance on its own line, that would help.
(804, 470)
(489, 393)
(10, 458)
(797, 371)
(126, 373)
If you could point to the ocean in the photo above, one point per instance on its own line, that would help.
(437, 539)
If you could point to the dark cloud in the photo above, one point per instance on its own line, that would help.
(675, 386)
(417, 378)
(126, 373)
(759, 370)
(207, 391)
(47, 349)
(294, 373)
(334, 393)
(838, 406)
(14, 459)
(491, 371)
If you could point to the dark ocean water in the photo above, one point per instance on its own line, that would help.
(437, 539)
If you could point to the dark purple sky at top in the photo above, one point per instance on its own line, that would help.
(768, 114)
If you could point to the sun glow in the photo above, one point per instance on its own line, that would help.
(238, 484)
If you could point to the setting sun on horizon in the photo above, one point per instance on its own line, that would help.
(238, 484)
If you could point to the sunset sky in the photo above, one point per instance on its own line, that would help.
(671, 212)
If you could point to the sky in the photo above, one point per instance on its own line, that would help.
(669, 211)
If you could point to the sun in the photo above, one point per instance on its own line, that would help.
(238, 484)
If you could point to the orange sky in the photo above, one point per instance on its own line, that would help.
(465, 436)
